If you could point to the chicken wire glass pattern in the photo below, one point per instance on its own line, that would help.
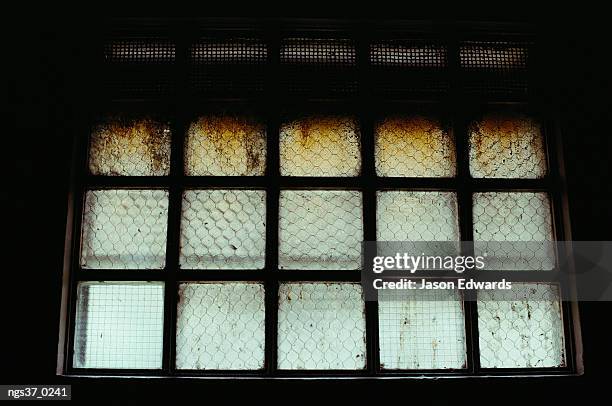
(140, 51)
(119, 325)
(507, 146)
(321, 326)
(124, 229)
(521, 217)
(134, 147)
(321, 52)
(421, 329)
(229, 51)
(406, 54)
(494, 56)
(225, 146)
(220, 326)
(320, 229)
(418, 216)
(223, 229)
(521, 331)
(320, 146)
(414, 147)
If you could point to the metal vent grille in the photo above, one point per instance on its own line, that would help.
(229, 66)
(495, 67)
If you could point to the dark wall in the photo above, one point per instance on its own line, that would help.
(47, 86)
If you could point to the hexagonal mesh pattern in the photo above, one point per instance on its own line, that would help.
(320, 229)
(414, 147)
(220, 326)
(321, 326)
(521, 217)
(223, 229)
(320, 146)
(119, 325)
(507, 146)
(124, 229)
(134, 147)
(225, 146)
(421, 329)
(523, 330)
(417, 216)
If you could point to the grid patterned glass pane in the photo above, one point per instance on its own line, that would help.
(225, 145)
(119, 325)
(134, 147)
(507, 146)
(494, 56)
(405, 54)
(414, 147)
(417, 216)
(320, 146)
(229, 51)
(220, 326)
(321, 326)
(320, 229)
(140, 51)
(421, 329)
(319, 51)
(521, 329)
(223, 228)
(124, 229)
(521, 218)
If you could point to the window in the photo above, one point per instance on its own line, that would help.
(225, 186)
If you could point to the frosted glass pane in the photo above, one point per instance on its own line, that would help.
(321, 326)
(503, 146)
(220, 326)
(320, 229)
(414, 147)
(524, 330)
(135, 147)
(421, 329)
(223, 228)
(523, 217)
(320, 146)
(119, 325)
(124, 229)
(225, 146)
(417, 216)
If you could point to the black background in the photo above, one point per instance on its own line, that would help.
(47, 83)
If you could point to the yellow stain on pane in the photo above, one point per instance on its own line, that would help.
(130, 147)
(507, 146)
(414, 146)
(225, 145)
(320, 146)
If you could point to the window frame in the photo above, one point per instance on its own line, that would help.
(274, 104)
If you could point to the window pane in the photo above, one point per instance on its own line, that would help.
(134, 147)
(124, 229)
(119, 325)
(321, 326)
(414, 147)
(405, 216)
(225, 146)
(421, 329)
(407, 54)
(522, 219)
(507, 146)
(521, 329)
(320, 146)
(317, 51)
(220, 326)
(223, 229)
(320, 229)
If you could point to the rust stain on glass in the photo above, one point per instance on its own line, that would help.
(414, 146)
(121, 146)
(320, 146)
(225, 145)
(507, 146)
